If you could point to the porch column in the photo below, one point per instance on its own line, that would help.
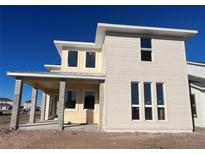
(43, 106)
(16, 104)
(102, 113)
(33, 105)
(61, 105)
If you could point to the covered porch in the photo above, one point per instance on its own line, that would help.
(66, 98)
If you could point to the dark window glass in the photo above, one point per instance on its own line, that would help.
(148, 113)
(135, 93)
(160, 94)
(90, 59)
(146, 55)
(146, 42)
(72, 58)
(71, 100)
(193, 105)
(89, 100)
(135, 113)
(147, 94)
(161, 113)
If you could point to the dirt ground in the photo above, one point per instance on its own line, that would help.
(45, 139)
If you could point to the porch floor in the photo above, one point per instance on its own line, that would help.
(52, 125)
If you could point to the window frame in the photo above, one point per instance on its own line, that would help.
(148, 105)
(77, 95)
(136, 105)
(164, 105)
(86, 59)
(146, 49)
(78, 58)
(95, 102)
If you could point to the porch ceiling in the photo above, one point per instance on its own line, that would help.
(49, 81)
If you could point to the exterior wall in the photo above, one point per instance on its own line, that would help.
(81, 62)
(81, 115)
(199, 121)
(123, 65)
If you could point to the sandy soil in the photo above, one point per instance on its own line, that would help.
(79, 139)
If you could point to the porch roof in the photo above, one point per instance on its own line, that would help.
(58, 75)
(49, 81)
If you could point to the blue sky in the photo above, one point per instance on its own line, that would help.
(27, 32)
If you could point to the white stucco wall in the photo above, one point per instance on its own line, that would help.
(123, 65)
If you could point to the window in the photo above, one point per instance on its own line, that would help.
(146, 49)
(160, 101)
(89, 100)
(71, 100)
(148, 101)
(193, 106)
(135, 101)
(73, 58)
(90, 59)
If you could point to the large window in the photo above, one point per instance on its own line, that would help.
(72, 58)
(135, 101)
(148, 101)
(90, 59)
(89, 100)
(71, 100)
(146, 49)
(193, 106)
(160, 101)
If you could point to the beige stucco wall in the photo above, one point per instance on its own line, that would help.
(199, 121)
(81, 62)
(81, 115)
(123, 65)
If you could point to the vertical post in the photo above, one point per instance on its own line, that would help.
(142, 104)
(16, 104)
(33, 105)
(154, 102)
(43, 106)
(102, 104)
(61, 105)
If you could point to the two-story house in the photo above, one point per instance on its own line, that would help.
(131, 78)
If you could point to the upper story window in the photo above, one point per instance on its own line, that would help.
(146, 49)
(72, 58)
(90, 59)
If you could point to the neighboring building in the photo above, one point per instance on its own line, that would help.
(5, 106)
(27, 105)
(6, 100)
(196, 74)
(131, 79)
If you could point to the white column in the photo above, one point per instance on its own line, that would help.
(61, 105)
(16, 104)
(43, 106)
(33, 105)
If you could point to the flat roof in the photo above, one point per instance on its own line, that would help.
(102, 28)
(60, 75)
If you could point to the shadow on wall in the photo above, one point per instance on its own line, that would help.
(89, 117)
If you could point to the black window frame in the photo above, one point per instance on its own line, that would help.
(85, 105)
(135, 106)
(146, 50)
(69, 105)
(76, 63)
(87, 64)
